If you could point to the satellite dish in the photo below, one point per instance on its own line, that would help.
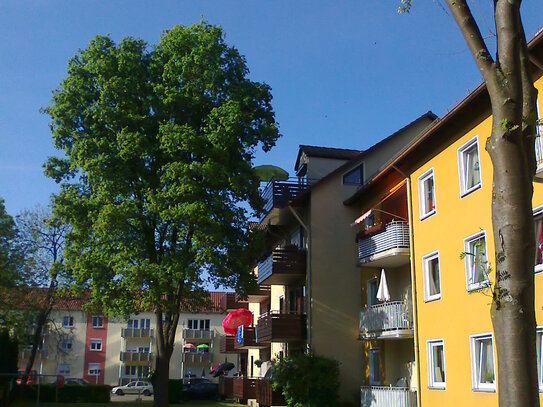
(268, 172)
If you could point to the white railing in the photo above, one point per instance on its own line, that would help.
(394, 315)
(539, 147)
(395, 235)
(383, 396)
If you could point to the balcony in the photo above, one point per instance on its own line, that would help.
(226, 387)
(227, 345)
(277, 195)
(230, 302)
(195, 335)
(136, 333)
(280, 327)
(383, 396)
(197, 358)
(268, 397)
(260, 294)
(136, 358)
(244, 388)
(388, 246)
(248, 340)
(284, 266)
(392, 320)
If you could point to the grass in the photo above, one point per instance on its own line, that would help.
(127, 404)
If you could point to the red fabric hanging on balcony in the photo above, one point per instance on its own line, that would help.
(236, 318)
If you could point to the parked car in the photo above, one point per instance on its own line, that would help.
(203, 390)
(187, 383)
(135, 387)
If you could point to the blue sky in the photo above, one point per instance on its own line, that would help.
(343, 73)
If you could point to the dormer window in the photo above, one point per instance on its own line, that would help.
(355, 176)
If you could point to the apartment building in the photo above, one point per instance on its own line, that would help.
(309, 295)
(436, 329)
(115, 351)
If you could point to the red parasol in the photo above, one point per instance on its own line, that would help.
(236, 318)
(189, 346)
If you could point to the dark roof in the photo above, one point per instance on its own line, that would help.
(325, 152)
(430, 140)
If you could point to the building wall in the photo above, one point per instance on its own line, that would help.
(91, 356)
(459, 313)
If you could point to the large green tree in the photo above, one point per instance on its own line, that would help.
(513, 97)
(157, 175)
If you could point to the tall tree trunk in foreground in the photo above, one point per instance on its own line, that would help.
(165, 344)
(511, 149)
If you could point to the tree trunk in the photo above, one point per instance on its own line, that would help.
(165, 336)
(41, 319)
(160, 386)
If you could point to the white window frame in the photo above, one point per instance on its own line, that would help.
(101, 319)
(95, 342)
(461, 167)
(470, 286)
(538, 213)
(64, 369)
(93, 368)
(70, 323)
(539, 338)
(474, 341)
(430, 344)
(420, 181)
(426, 276)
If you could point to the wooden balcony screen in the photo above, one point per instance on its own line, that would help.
(281, 327)
(283, 266)
(226, 345)
(244, 388)
(226, 387)
(230, 301)
(277, 194)
(249, 340)
(268, 397)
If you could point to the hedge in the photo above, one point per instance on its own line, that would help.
(175, 391)
(70, 393)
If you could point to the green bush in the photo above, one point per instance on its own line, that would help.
(175, 391)
(307, 380)
(70, 393)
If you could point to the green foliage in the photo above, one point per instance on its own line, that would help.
(307, 380)
(405, 6)
(70, 393)
(158, 145)
(175, 391)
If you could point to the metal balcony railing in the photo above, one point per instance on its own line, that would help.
(192, 334)
(277, 194)
(395, 235)
(539, 148)
(137, 333)
(136, 357)
(390, 316)
(197, 357)
(383, 396)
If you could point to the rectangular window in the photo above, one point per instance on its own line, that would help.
(96, 345)
(375, 367)
(538, 221)
(475, 261)
(539, 348)
(355, 176)
(436, 364)
(431, 276)
(482, 363)
(66, 345)
(427, 200)
(469, 167)
(67, 321)
(64, 369)
(98, 321)
(94, 369)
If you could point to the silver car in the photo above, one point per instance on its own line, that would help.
(135, 387)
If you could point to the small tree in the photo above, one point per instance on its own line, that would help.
(157, 178)
(307, 380)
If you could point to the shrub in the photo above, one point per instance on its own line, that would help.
(175, 391)
(70, 393)
(307, 380)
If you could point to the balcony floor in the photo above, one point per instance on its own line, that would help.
(392, 334)
(395, 257)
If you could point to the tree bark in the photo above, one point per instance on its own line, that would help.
(510, 146)
(165, 344)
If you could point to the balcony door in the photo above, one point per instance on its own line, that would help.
(375, 365)
(372, 285)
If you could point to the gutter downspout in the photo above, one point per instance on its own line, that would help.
(413, 280)
(308, 266)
